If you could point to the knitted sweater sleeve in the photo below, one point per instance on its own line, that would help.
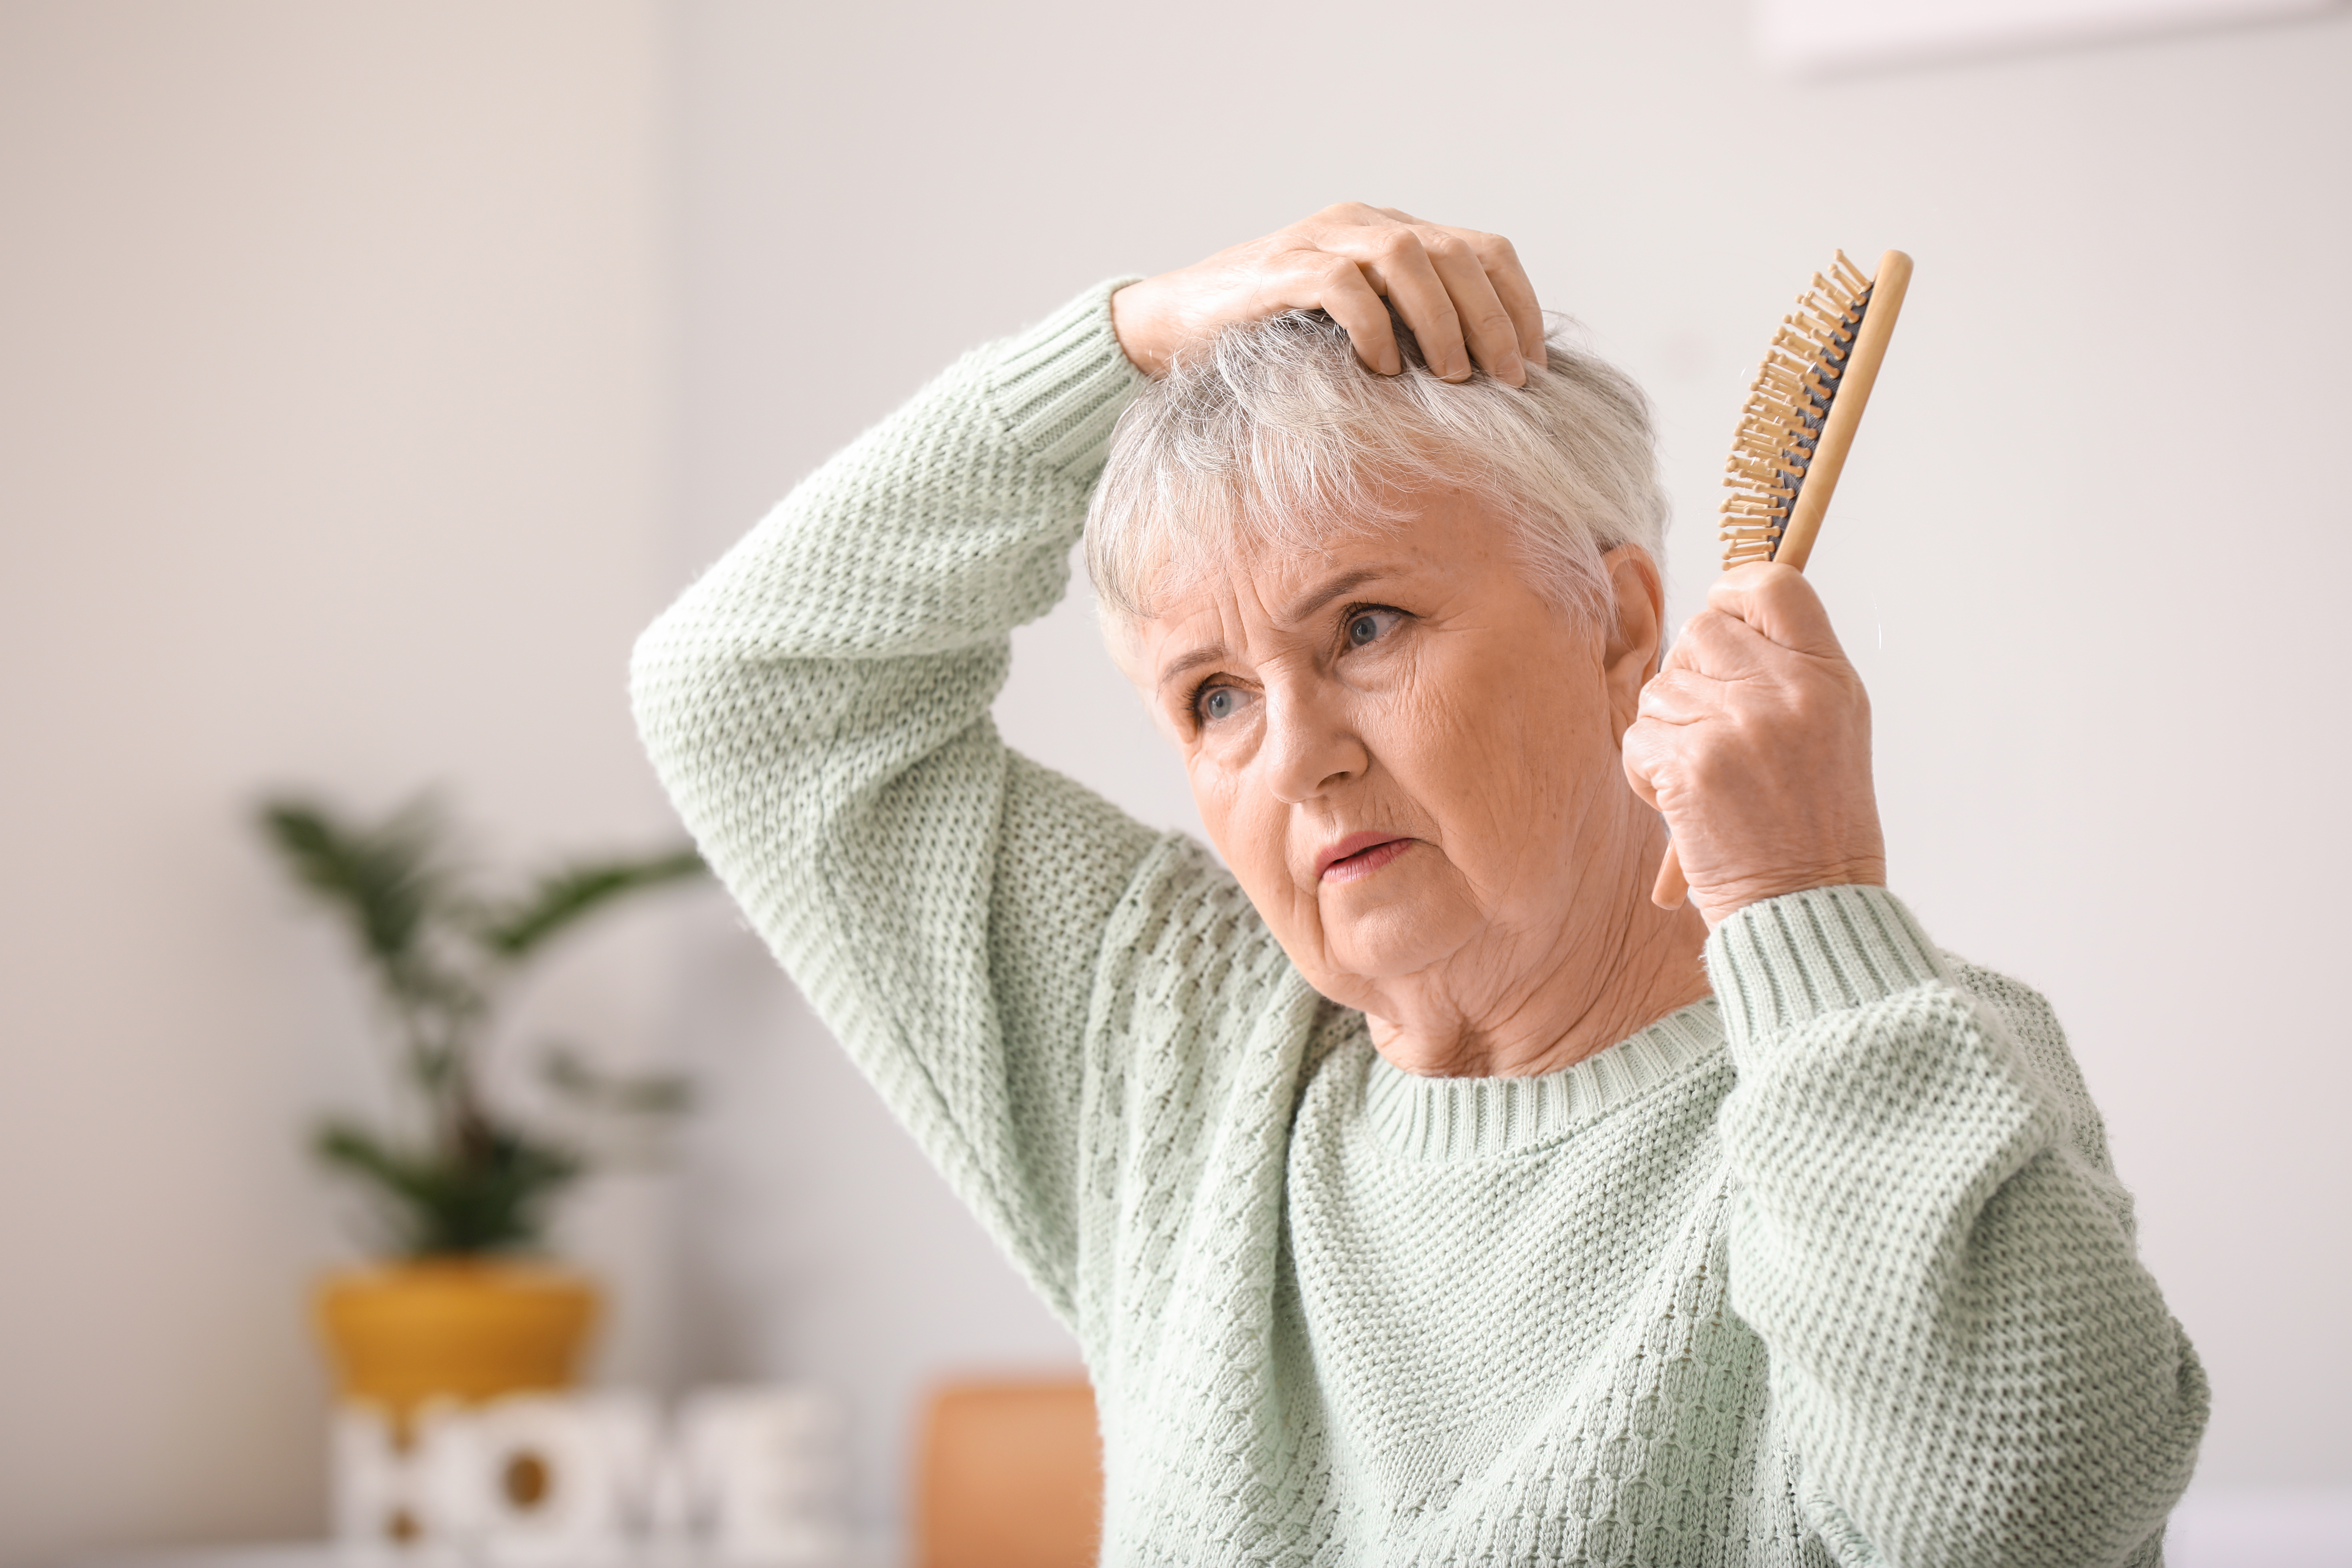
(817, 706)
(1968, 1362)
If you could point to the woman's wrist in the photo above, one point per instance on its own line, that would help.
(1720, 902)
(1781, 962)
(1137, 319)
(1061, 386)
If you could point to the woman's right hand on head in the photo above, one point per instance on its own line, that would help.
(1463, 293)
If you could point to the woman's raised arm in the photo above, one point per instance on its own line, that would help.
(817, 706)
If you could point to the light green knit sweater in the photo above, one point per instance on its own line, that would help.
(1830, 1270)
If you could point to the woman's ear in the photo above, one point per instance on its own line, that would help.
(1636, 639)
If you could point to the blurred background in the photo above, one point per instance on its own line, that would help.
(371, 371)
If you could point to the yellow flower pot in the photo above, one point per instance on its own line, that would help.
(403, 1333)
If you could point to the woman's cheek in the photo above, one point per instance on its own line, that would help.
(1259, 861)
(1430, 740)
(1242, 824)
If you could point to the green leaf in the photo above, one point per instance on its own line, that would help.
(475, 1183)
(489, 1194)
(387, 883)
(565, 895)
(628, 1094)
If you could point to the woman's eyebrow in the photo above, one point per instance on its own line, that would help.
(1209, 652)
(1297, 611)
(1315, 598)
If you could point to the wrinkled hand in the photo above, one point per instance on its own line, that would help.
(1754, 741)
(1461, 292)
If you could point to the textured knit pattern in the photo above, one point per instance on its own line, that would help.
(1831, 1268)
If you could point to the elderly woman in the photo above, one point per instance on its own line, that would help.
(1419, 1190)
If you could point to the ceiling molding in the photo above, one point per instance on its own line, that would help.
(1827, 36)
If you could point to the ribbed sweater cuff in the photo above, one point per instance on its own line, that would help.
(1061, 385)
(1778, 962)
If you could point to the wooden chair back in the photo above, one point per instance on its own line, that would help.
(1011, 1477)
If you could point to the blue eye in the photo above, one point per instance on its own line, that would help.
(1217, 702)
(1366, 625)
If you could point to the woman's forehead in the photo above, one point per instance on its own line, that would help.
(1274, 588)
(1286, 579)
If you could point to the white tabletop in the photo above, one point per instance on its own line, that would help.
(326, 1554)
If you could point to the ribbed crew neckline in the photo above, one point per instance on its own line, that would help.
(1445, 1118)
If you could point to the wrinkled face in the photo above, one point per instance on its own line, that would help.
(1401, 749)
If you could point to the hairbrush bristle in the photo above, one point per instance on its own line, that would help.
(1782, 424)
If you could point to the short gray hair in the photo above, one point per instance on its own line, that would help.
(1276, 434)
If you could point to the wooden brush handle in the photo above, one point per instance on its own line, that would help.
(1861, 374)
(1887, 291)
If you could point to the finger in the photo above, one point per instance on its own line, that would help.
(1674, 656)
(1778, 602)
(1487, 325)
(1679, 697)
(1656, 769)
(1643, 755)
(1400, 268)
(1339, 288)
(1724, 647)
(1501, 260)
(1346, 213)
(1712, 642)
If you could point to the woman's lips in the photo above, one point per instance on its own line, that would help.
(1359, 855)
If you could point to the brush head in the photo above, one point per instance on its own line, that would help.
(1781, 428)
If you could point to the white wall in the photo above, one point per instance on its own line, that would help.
(2084, 554)
(335, 379)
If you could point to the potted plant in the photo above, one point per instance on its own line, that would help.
(461, 1189)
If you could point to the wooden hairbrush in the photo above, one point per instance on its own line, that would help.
(1798, 424)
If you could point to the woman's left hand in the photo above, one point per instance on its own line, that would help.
(1754, 741)
(1464, 294)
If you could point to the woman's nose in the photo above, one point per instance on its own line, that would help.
(1309, 746)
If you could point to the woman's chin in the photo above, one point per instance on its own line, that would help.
(1403, 918)
(1395, 941)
